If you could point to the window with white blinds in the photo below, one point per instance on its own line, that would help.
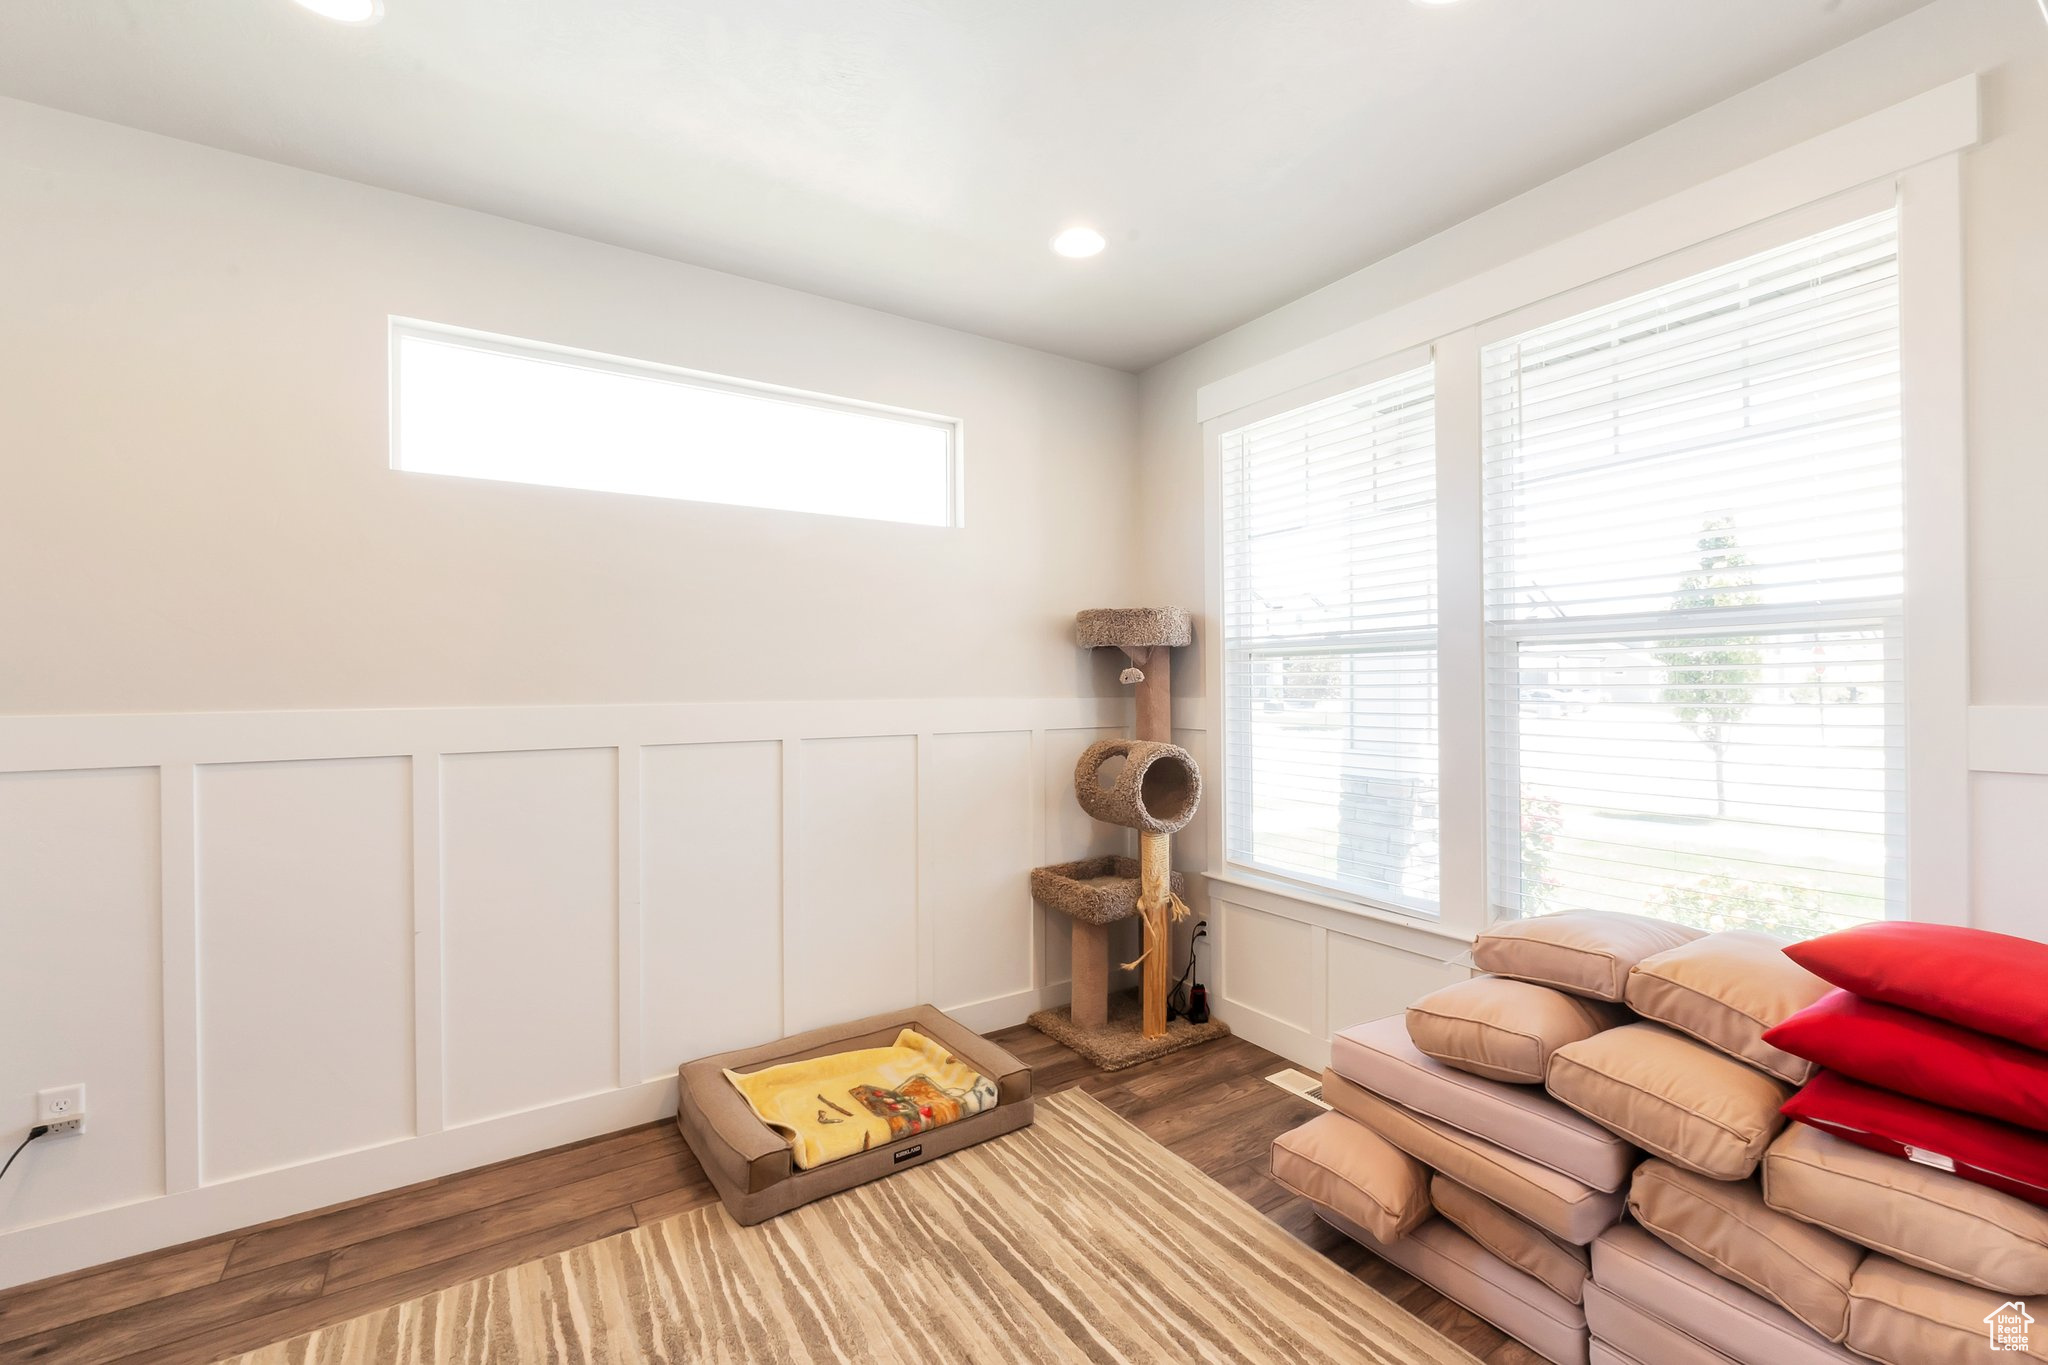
(1694, 595)
(1329, 621)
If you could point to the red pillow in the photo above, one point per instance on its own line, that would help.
(1973, 977)
(1925, 1058)
(1995, 1154)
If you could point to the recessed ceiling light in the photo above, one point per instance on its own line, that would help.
(347, 11)
(1075, 241)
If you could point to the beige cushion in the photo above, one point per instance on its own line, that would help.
(1924, 1217)
(1638, 1334)
(1904, 1316)
(1725, 990)
(1586, 952)
(1561, 1266)
(1380, 1057)
(1556, 1203)
(1635, 1266)
(1457, 1267)
(1670, 1096)
(1726, 1227)
(1345, 1166)
(1504, 1030)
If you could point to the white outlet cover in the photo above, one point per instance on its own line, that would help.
(64, 1104)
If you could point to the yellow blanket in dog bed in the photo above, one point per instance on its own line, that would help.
(847, 1102)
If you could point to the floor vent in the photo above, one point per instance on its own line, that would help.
(1300, 1083)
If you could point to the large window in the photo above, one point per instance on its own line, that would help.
(1329, 620)
(1694, 596)
(496, 408)
(1675, 570)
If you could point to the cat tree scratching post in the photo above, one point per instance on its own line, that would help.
(1156, 795)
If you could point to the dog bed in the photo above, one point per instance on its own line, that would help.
(751, 1165)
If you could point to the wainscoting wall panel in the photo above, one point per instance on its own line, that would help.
(1373, 980)
(305, 960)
(299, 957)
(1272, 966)
(851, 945)
(2009, 851)
(81, 987)
(980, 822)
(710, 900)
(530, 940)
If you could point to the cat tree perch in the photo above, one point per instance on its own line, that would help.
(1156, 793)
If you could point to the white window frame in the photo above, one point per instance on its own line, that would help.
(1909, 155)
(524, 349)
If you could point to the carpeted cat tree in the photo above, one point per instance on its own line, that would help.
(1156, 794)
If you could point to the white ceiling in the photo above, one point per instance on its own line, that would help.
(916, 155)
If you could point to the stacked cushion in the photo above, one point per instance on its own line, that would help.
(1643, 1272)
(1917, 1055)
(1563, 1207)
(1899, 1314)
(1339, 1165)
(1561, 1266)
(1582, 952)
(1444, 1156)
(1924, 1217)
(1926, 1139)
(1687, 1103)
(1504, 1030)
(1726, 1227)
(1466, 1273)
(1636, 1334)
(1985, 1151)
(1726, 990)
(1981, 980)
(1528, 1123)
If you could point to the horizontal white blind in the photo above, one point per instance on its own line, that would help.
(1329, 619)
(1695, 560)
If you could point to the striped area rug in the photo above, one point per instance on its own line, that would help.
(1076, 1239)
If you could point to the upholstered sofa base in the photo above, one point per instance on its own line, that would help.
(749, 1163)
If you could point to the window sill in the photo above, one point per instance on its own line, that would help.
(1348, 910)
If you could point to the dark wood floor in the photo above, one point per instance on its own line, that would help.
(196, 1303)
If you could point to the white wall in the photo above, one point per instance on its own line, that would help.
(1361, 967)
(200, 513)
(359, 826)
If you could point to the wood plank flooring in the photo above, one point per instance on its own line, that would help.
(194, 1304)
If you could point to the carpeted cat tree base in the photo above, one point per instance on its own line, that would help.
(1120, 1042)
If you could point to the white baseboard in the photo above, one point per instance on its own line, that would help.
(986, 1016)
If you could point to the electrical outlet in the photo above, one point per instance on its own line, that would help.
(63, 1109)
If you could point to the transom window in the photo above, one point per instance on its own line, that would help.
(482, 407)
